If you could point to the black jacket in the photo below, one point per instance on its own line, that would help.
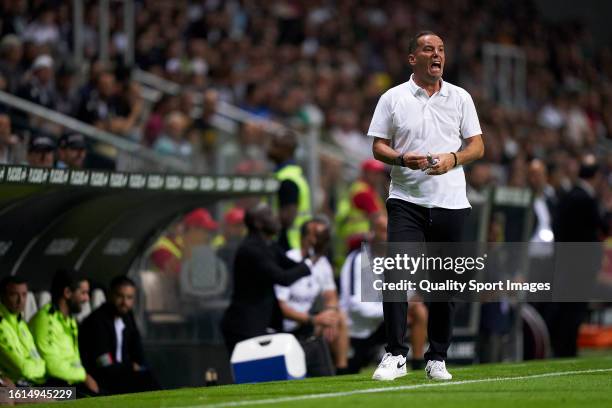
(578, 217)
(258, 266)
(98, 342)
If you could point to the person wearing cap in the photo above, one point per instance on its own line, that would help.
(72, 151)
(357, 209)
(167, 252)
(202, 272)
(39, 88)
(41, 151)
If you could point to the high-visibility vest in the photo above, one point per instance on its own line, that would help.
(56, 337)
(351, 220)
(293, 172)
(169, 245)
(20, 358)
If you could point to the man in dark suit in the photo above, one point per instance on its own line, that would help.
(110, 343)
(579, 220)
(259, 265)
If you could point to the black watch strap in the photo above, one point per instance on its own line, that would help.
(399, 161)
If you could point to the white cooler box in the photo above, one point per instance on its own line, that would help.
(271, 357)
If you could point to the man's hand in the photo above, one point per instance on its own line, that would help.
(326, 323)
(326, 318)
(415, 161)
(330, 333)
(446, 162)
(91, 384)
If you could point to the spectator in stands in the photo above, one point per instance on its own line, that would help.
(258, 267)
(349, 137)
(41, 151)
(10, 144)
(110, 343)
(72, 151)
(102, 106)
(67, 94)
(297, 302)
(173, 141)
(247, 147)
(43, 29)
(361, 204)
(128, 123)
(365, 316)
(19, 357)
(39, 87)
(155, 122)
(56, 332)
(294, 193)
(11, 52)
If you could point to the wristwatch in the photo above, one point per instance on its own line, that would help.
(399, 161)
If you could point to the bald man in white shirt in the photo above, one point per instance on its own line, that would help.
(427, 203)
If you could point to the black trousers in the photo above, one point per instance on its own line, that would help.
(412, 223)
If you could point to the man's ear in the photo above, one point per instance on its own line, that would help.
(411, 59)
(67, 293)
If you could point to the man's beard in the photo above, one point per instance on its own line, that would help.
(75, 307)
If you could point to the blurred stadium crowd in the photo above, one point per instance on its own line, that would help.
(303, 64)
(337, 58)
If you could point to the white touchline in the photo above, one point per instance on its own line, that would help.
(397, 388)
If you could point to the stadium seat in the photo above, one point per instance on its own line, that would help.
(161, 297)
(30, 308)
(42, 298)
(97, 298)
(86, 311)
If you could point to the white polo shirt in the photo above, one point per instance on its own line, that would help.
(415, 122)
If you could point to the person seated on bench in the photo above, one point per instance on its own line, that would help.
(297, 300)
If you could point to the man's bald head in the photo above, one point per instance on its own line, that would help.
(260, 220)
(282, 146)
(537, 175)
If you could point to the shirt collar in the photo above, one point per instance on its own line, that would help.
(414, 88)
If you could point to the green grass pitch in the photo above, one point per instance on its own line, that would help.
(585, 382)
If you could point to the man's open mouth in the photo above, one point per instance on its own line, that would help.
(436, 65)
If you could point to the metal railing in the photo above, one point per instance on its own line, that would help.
(505, 75)
(227, 115)
(134, 149)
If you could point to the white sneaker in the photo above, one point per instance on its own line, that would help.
(390, 368)
(436, 370)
